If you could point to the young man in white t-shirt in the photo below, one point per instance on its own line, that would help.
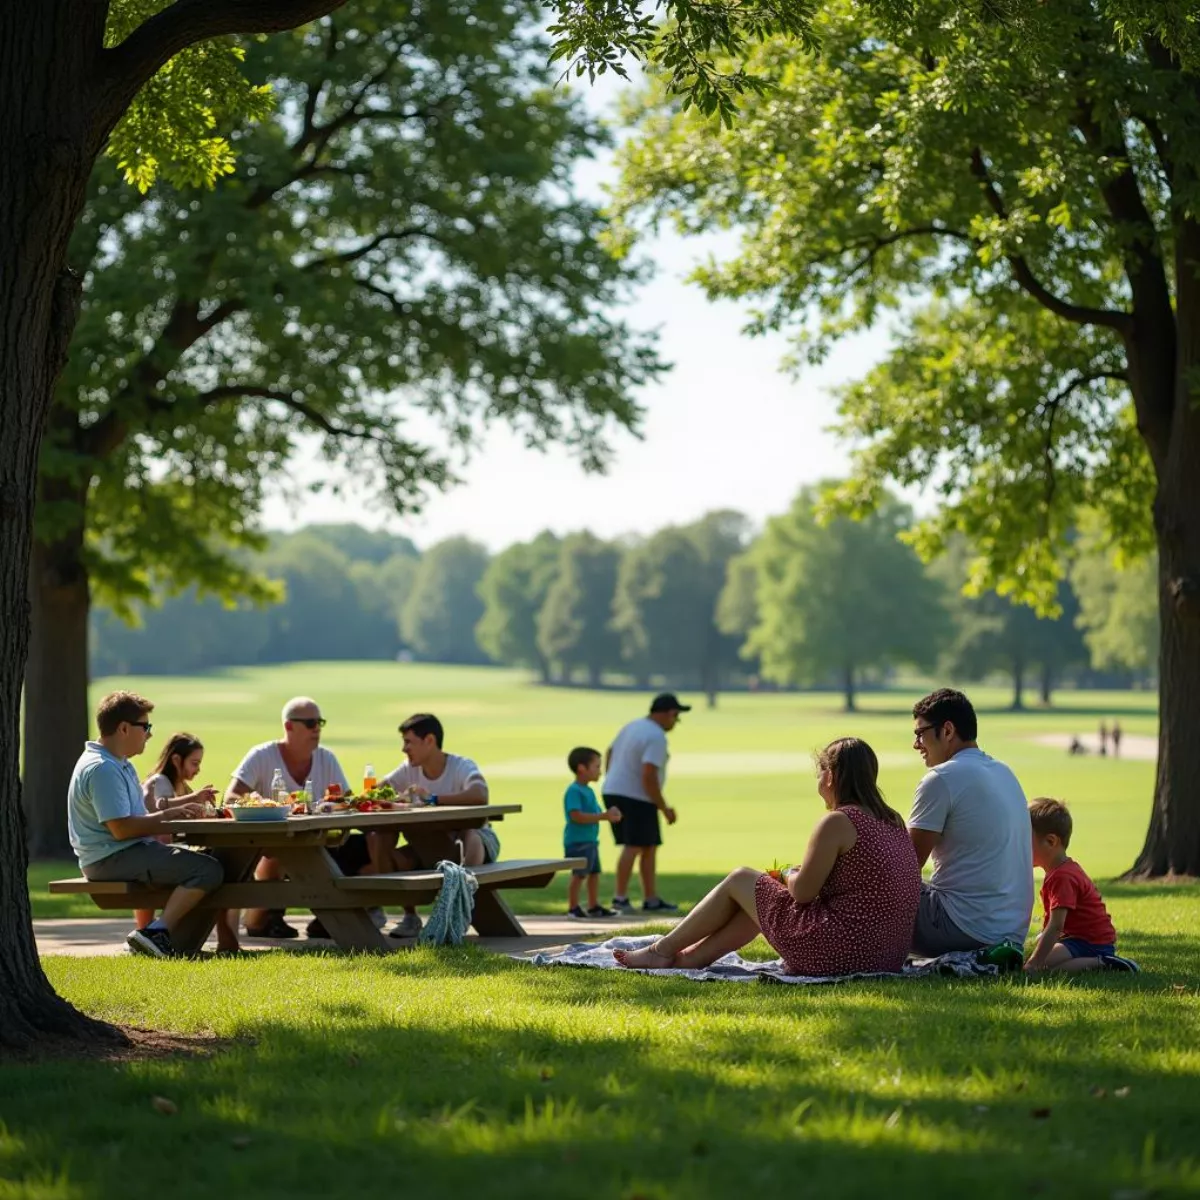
(437, 778)
(970, 814)
(635, 772)
(301, 757)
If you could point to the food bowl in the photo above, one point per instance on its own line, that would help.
(259, 812)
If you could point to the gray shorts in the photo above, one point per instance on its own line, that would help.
(935, 932)
(160, 866)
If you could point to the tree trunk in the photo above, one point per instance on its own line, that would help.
(56, 684)
(44, 53)
(848, 688)
(1173, 840)
(1047, 685)
(1018, 674)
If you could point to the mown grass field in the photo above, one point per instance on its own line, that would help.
(740, 775)
(456, 1073)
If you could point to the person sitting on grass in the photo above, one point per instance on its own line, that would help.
(114, 837)
(166, 790)
(1077, 932)
(434, 777)
(300, 756)
(581, 838)
(969, 814)
(848, 908)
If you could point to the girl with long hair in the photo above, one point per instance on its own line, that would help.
(849, 907)
(169, 787)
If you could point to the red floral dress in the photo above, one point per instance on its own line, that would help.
(862, 919)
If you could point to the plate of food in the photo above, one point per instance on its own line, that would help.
(254, 807)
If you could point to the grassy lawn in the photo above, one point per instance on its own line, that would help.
(454, 1072)
(451, 1073)
(740, 775)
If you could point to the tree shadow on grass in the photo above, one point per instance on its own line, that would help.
(571, 1081)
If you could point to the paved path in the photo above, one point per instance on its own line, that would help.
(97, 936)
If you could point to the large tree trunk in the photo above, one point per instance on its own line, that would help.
(1047, 684)
(848, 688)
(44, 53)
(1173, 840)
(56, 685)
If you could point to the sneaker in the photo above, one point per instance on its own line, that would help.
(409, 926)
(273, 927)
(622, 903)
(1114, 962)
(598, 911)
(316, 929)
(577, 913)
(658, 904)
(154, 943)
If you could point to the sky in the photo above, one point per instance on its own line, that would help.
(724, 428)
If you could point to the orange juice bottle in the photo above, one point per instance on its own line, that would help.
(368, 777)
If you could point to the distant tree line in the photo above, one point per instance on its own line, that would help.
(804, 602)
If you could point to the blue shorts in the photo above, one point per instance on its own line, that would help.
(588, 850)
(1080, 949)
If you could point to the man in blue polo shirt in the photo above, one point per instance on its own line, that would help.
(114, 837)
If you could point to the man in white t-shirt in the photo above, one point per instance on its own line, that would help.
(635, 772)
(301, 757)
(970, 814)
(437, 778)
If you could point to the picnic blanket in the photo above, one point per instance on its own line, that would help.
(733, 968)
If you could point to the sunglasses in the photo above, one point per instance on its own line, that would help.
(308, 722)
(146, 725)
(919, 734)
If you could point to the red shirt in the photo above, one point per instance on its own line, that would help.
(1068, 886)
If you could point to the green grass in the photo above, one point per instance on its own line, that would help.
(455, 1072)
(740, 775)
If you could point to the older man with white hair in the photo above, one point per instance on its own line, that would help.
(300, 757)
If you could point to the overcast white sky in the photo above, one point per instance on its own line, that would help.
(725, 428)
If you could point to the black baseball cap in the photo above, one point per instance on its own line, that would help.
(668, 702)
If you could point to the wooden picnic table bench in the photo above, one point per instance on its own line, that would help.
(314, 880)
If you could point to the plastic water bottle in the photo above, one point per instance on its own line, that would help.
(279, 792)
(308, 795)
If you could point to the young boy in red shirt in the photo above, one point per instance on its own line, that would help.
(1077, 932)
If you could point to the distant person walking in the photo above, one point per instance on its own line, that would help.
(635, 773)
(1116, 739)
(1103, 738)
(970, 814)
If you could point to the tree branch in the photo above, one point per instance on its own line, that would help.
(1079, 314)
(127, 66)
(1051, 406)
(877, 245)
(234, 391)
(357, 252)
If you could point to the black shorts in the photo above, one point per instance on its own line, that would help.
(638, 825)
(352, 855)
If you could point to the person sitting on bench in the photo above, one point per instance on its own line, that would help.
(114, 837)
(434, 776)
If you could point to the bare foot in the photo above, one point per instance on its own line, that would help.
(646, 957)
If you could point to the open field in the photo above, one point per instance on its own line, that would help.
(740, 775)
(457, 1072)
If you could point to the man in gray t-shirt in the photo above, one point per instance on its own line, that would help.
(969, 813)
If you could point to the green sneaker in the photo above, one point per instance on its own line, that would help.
(1004, 956)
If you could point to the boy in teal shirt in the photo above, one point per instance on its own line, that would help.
(581, 838)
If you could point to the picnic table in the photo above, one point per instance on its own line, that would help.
(301, 845)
